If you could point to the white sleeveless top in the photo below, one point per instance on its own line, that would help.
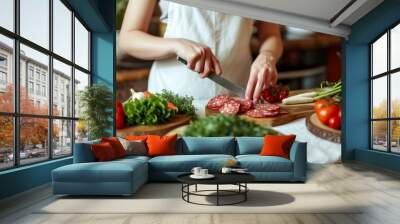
(227, 36)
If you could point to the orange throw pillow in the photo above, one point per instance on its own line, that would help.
(161, 145)
(103, 152)
(116, 145)
(277, 145)
(136, 137)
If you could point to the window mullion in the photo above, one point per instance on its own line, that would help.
(389, 113)
(50, 81)
(16, 84)
(73, 82)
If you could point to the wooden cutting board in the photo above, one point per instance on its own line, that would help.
(315, 126)
(294, 112)
(161, 129)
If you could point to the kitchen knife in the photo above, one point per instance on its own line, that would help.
(234, 88)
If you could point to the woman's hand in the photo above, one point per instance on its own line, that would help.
(263, 73)
(198, 56)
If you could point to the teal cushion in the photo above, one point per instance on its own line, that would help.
(257, 163)
(206, 145)
(111, 171)
(249, 145)
(185, 163)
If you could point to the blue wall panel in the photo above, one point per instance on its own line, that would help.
(356, 86)
(24, 178)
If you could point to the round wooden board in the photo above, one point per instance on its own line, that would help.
(315, 126)
(160, 129)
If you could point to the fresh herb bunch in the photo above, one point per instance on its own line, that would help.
(222, 125)
(183, 103)
(148, 111)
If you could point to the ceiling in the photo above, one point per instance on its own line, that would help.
(326, 16)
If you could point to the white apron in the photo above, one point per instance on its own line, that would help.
(227, 36)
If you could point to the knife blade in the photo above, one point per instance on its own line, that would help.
(234, 88)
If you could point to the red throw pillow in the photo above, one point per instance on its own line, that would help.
(277, 145)
(136, 137)
(116, 145)
(103, 152)
(161, 145)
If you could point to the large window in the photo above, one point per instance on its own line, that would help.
(385, 92)
(44, 64)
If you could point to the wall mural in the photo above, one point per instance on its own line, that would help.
(198, 72)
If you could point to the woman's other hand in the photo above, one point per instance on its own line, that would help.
(199, 57)
(263, 73)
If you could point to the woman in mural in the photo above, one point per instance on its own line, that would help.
(211, 42)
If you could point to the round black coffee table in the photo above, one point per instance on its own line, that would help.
(238, 179)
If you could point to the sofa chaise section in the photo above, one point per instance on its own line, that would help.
(87, 177)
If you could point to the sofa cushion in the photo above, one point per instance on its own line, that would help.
(112, 171)
(83, 152)
(277, 145)
(206, 145)
(161, 145)
(185, 163)
(257, 163)
(249, 145)
(103, 152)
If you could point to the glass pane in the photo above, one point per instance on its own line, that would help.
(379, 135)
(33, 139)
(395, 136)
(81, 45)
(6, 142)
(62, 29)
(395, 47)
(81, 81)
(6, 74)
(35, 21)
(34, 96)
(62, 89)
(379, 97)
(7, 14)
(379, 56)
(81, 132)
(62, 138)
(395, 94)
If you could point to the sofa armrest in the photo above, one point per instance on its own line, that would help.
(83, 152)
(298, 155)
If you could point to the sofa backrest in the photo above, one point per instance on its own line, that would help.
(206, 145)
(249, 145)
(83, 152)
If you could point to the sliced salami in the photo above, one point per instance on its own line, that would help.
(267, 106)
(230, 108)
(256, 113)
(245, 105)
(260, 113)
(217, 102)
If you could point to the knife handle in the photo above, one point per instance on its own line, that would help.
(183, 61)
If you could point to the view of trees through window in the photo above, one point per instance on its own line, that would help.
(40, 83)
(385, 94)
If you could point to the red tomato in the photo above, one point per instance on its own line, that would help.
(171, 106)
(146, 94)
(321, 103)
(325, 113)
(120, 115)
(334, 122)
(340, 113)
(268, 96)
(283, 93)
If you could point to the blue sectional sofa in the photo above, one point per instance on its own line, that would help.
(125, 176)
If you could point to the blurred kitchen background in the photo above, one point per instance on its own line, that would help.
(308, 57)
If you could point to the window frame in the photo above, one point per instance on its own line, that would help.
(388, 74)
(16, 114)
